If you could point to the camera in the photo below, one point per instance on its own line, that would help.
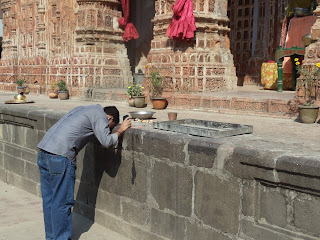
(124, 117)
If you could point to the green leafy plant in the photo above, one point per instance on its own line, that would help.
(308, 80)
(62, 86)
(20, 82)
(155, 81)
(135, 90)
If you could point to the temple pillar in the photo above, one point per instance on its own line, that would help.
(312, 55)
(204, 64)
(98, 41)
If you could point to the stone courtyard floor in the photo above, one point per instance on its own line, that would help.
(20, 212)
(21, 219)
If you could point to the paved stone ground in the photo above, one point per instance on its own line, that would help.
(21, 219)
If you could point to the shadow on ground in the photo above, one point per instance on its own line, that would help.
(97, 160)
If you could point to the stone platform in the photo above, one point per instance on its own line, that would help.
(250, 100)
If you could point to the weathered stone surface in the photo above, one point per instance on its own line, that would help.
(176, 188)
(217, 202)
(251, 163)
(32, 172)
(18, 135)
(30, 186)
(304, 165)
(6, 132)
(3, 174)
(136, 213)
(273, 207)
(14, 164)
(167, 225)
(18, 116)
(1, 159)
(105, 219)
(195, 231)
(29, 156)
(120, 176)
(12, 150)
(108, 202)
(164, 145)
(307, 214)
(202, 153)
(14, 179)
(262, 232)
(248, 198)
(133, 140)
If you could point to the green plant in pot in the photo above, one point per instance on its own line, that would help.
(20, 85)
(136, 96)
(63, 90)
(155, 84)
(53, 90)
(308, 111)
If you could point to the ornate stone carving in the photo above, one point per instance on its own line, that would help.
(193, 66)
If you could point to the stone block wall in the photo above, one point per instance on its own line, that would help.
(162, 185)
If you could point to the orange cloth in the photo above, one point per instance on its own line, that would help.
(298, 27)
(269, 77)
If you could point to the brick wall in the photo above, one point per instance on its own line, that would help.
(162, 185)
(76, 41)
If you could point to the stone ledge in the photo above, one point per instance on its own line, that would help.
(250, 157)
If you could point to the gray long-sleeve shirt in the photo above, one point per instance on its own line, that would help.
(75, 129)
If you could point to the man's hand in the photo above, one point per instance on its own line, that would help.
(124, 126)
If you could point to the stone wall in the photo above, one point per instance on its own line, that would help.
(161, 185)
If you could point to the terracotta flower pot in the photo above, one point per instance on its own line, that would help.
(139, 101)
(308, 114)
(172, 116)
(159, 103)
(53, 95)
(131, 102)
(63, 95)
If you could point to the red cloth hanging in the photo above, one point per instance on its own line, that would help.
(130, 32)
(183, 25)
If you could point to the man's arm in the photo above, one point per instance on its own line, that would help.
(124, 126)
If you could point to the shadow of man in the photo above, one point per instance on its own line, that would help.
(92, 162)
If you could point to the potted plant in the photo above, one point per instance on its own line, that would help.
(136, 96)
(53, 90)
(155, 83)
(308, 112)
(63, 90)
(20, 83)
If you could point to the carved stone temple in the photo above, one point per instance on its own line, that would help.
(80, 41)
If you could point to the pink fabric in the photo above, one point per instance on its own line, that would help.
(183, 25)
(130, 32)
(298, 27)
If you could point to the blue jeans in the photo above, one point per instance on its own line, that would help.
(57, 176)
